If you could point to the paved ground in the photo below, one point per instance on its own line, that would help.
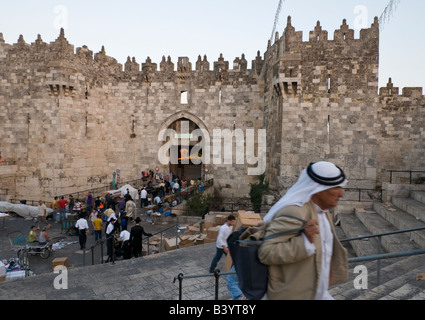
(146, 278)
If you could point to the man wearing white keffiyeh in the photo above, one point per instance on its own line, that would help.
(302, 265)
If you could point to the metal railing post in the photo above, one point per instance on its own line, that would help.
(101, 251)
(177, 236)
(217, 278)
(180, 278)
(379, 261)
(113, 249)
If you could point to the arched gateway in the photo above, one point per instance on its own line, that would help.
(181, 135)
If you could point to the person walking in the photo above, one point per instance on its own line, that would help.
(83, 229)
(302, 265)
(97, 227)
(143, 198)
(221, 243)
(110, 239)
(89, 203)
(130, 209)
(62, 208)
(136, 237)
(42, 213)
(71, 204)
(126, 245)
(55, 207)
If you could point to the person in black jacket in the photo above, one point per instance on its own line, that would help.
(136, 235)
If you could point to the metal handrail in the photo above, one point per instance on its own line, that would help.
(360, 190)
(216, 274)
(176, 226)
(388, 255)
(377, 257)
(410, 172)
(376, 235)
(99, 243)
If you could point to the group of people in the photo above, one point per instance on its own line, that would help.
(41, 238)
(154, 194)
(114, 223)
(302, 264)
(62, 207)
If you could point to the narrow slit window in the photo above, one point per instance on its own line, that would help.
(220, 94)
(294, 88)
(183, 97)
(285, 88)
(329, 125)
(329, 84)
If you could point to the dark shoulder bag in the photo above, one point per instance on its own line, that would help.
(252, 274)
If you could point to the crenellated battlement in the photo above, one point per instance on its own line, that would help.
(344, 35)
(323, 66)
(389, 91)
(99, 65)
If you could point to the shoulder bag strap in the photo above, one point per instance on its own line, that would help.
(272, 236)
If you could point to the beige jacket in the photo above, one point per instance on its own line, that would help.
(293, 275)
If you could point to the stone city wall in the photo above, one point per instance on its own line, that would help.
(69, 118)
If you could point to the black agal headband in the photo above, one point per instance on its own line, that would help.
(333, 181)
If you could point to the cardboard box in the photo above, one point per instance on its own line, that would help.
(170, 243)
(212, 232)
(247, 220)
(200, 239)
(220, 219)
(228, 263)
(206, 226)
(59, 262)
(192, 229)
(208, 240)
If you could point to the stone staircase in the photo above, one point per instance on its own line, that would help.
(398, 276)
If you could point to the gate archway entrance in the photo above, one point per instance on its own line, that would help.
(189, 164)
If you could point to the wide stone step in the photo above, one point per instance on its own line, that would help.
(419, 296)
(347, 291)
(407, 268)
(418, 196)
(353, 227)
(377, 224)
(397, 275)
(411, 206)
(402, 220)
(405, 292)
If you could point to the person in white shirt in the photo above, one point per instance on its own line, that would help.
(221, 243)
(143, 198)
(126, 245)
(83, 228)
